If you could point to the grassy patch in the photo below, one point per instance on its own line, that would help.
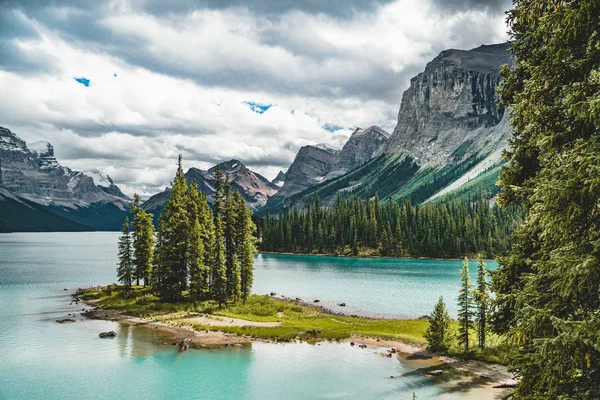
(297, 320)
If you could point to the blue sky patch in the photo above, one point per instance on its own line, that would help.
(257, 107)
(84, 81)
(332, 127)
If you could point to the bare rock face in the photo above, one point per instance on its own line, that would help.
(33, 173)
(449, 112)
(362, 146)
(254, 188)
(279, 179)
(311, 165)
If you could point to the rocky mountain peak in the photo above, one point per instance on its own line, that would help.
(230, 166)
(362, 146)
(32, 172)
(279, 179)
(450, 112)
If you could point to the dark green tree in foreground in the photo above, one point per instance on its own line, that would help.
(465, 306)
(125, 266)
(482, 302)
(547, 288)
(143, 242)
(438, 333)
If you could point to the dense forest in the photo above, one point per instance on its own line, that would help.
(450, 228)
(547, 292)
(199, 252)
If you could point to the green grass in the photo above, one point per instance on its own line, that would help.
(298, 320)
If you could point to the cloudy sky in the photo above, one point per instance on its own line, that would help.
(125, 86)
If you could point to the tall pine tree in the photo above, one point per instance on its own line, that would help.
(173, 239)
(482, 300)
(548, 296)
(143, 242)
(465, 306)
(245, 239)
(125, 266)
(219, 268)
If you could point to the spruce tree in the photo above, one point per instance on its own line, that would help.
(482, 299)
(219, 268)
(229, 217)
(125, 266)
(173, 238)
(198, 282)
(245, 229)
(465, 306)
(438, 333)
(548, 297)
(143, 242)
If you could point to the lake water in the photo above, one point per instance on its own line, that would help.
(41, 359)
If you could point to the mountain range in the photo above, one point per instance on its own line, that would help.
(448, 139)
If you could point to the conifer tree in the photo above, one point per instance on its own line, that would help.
(482, 299)
(173, 238)
(465, 306)
(245, 229)
(198, 282)
(229, 217)
(438, 333)
(125, 266)
(547, 292)
(219, 268)
(143, 242)
(207, 223)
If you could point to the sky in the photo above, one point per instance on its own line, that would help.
(126, 86)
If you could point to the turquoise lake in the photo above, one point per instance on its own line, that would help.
(41, 359)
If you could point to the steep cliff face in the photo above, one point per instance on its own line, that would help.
(449, 131)
(449, 112)
(33, 173)
(254, 188)
(311, 166)
(362, 146)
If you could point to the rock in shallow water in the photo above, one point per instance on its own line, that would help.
(65, 321)
(110, 334)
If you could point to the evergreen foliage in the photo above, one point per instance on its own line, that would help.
(125, 271)
(482, 300)
(143, 242)
(465, 306)
(202, 254)
(451, 228)
(438, 333)
(548, 296)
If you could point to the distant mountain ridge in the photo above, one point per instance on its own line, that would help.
(448, 138)
(33, 173)
(254, 188)
(450, 130)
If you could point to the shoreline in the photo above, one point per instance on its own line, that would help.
(371, 257)
(179, 330)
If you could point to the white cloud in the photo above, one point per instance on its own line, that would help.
(183, 87)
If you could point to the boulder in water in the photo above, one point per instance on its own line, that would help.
(110, 334)
(65, 321)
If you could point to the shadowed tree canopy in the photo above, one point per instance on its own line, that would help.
(548, 292)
